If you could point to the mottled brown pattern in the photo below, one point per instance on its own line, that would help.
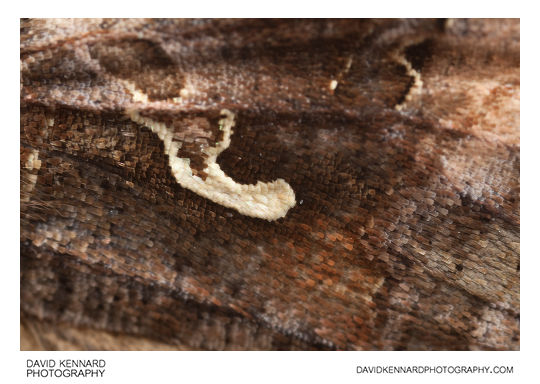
(405, 233)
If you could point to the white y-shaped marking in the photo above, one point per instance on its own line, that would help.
(269, 201)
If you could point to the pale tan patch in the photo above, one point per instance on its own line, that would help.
(491, 109)
(29, 176)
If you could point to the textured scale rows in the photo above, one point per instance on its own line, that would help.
(405, 231)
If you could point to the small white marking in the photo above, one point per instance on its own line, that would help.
(334, 83)
(138, 96)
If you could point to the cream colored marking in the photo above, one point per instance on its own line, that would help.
(33, 161)
(416, 88)
(30, 179)
(141, 97)
(268, 201)
(348, 64)
(188, 89)
(138, 96)
(334, 83)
